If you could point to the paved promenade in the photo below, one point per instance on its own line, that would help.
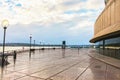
(52, 65)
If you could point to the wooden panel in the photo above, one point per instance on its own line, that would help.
(102, 22)
(108, 17)
(117, 11)
(112, 13)
(105, 18)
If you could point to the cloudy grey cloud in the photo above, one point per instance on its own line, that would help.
(50, 21)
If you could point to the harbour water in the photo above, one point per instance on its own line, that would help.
(12, 48)
(20, 48)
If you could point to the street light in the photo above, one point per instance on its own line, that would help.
(34, 44)
(30, 44)
(5, 24)
(34, 47)
(40, 45)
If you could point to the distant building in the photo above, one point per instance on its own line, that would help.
(107, 30)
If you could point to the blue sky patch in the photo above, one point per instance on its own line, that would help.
(79, 11)
(18, 5)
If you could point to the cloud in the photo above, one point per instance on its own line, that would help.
(52, 20)
(42, 11)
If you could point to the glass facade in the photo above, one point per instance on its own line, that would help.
(113, 42)
(109, 47)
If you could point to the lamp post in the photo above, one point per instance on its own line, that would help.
(63, 48)
(34, 44)
(5, 24)
(30, 44)
(40, 45)
(34, 47)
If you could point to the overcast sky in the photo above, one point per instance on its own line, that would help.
(50, 21)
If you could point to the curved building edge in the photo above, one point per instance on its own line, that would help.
(107, 24)
(107, 30)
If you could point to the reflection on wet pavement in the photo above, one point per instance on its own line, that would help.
(51, 65)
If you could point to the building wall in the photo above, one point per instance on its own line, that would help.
(107, 30)
(108, 21)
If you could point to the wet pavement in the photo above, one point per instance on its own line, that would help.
(54, 65)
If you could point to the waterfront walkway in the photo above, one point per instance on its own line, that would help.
(52, 65)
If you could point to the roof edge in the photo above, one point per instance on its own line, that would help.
(107, 36)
